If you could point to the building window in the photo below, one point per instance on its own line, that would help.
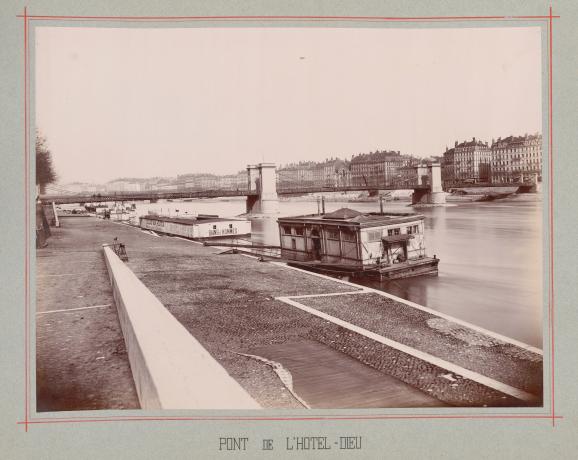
(348, 235)
(332, 234)
(374, 235)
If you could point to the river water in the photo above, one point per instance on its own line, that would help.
(491, 259)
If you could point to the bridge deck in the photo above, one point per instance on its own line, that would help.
(281, 190)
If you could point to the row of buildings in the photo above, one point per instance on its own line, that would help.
(186, 181)
(509, 160)
(377, 168)
(513, 159)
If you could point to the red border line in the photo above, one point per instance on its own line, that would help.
(547, 415)
(285, 18)
(551, 209)
(184, 20)
(301, 419)
(26, 223)
(28, 417)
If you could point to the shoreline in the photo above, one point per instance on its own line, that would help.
(234, 304)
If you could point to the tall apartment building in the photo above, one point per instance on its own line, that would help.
(378, 168)
(334, 172)
(468, 161)
(515, 157)
(303, 174)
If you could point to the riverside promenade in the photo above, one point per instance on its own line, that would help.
(81, 360)
(291, 339)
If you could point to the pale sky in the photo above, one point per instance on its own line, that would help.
(161, 102)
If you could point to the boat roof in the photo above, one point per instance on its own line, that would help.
(191, 220)
(352, 217)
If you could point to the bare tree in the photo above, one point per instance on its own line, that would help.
(45, 173)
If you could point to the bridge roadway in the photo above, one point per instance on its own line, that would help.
(82, 198)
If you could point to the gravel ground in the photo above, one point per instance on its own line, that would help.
(81, 360)
(227, 302)
(465, 347)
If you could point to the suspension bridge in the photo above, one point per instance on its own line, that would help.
(265, 184)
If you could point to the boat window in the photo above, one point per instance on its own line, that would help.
(374, 235)
(347, 235)
(214, 227)
(230, 225)
(293, 244)
(299, 231)
(286, 229)
(332, 234)
(393, 231)
(413, 229)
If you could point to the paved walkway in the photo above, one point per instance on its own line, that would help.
(235, 304)
(81, 361)
(420, 330)
(328, 379)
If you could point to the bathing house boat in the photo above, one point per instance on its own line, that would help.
(201, 226)
(386, 246)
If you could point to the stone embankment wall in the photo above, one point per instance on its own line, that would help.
(171, 369)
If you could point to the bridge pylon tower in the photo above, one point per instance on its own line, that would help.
(262, 178)
(429, 190)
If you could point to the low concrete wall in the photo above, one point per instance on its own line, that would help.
(171, 369)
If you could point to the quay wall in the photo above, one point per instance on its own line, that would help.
(171, 369)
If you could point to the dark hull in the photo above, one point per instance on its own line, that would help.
(419, 267)
(425, 266)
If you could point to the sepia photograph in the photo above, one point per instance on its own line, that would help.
(251, 218)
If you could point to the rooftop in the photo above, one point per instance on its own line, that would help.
(191, 220)
(472, 143)
(353, 217)
(512, 140)
(379, 156)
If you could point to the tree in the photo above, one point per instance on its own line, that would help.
(45, 173)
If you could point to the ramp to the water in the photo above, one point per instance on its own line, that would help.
(327, 379)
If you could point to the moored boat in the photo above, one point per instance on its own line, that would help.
(383, 245)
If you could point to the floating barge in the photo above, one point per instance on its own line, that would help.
(348, 242)
(199, 227)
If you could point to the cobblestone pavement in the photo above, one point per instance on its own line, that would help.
(227, 302)
(460, 345)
